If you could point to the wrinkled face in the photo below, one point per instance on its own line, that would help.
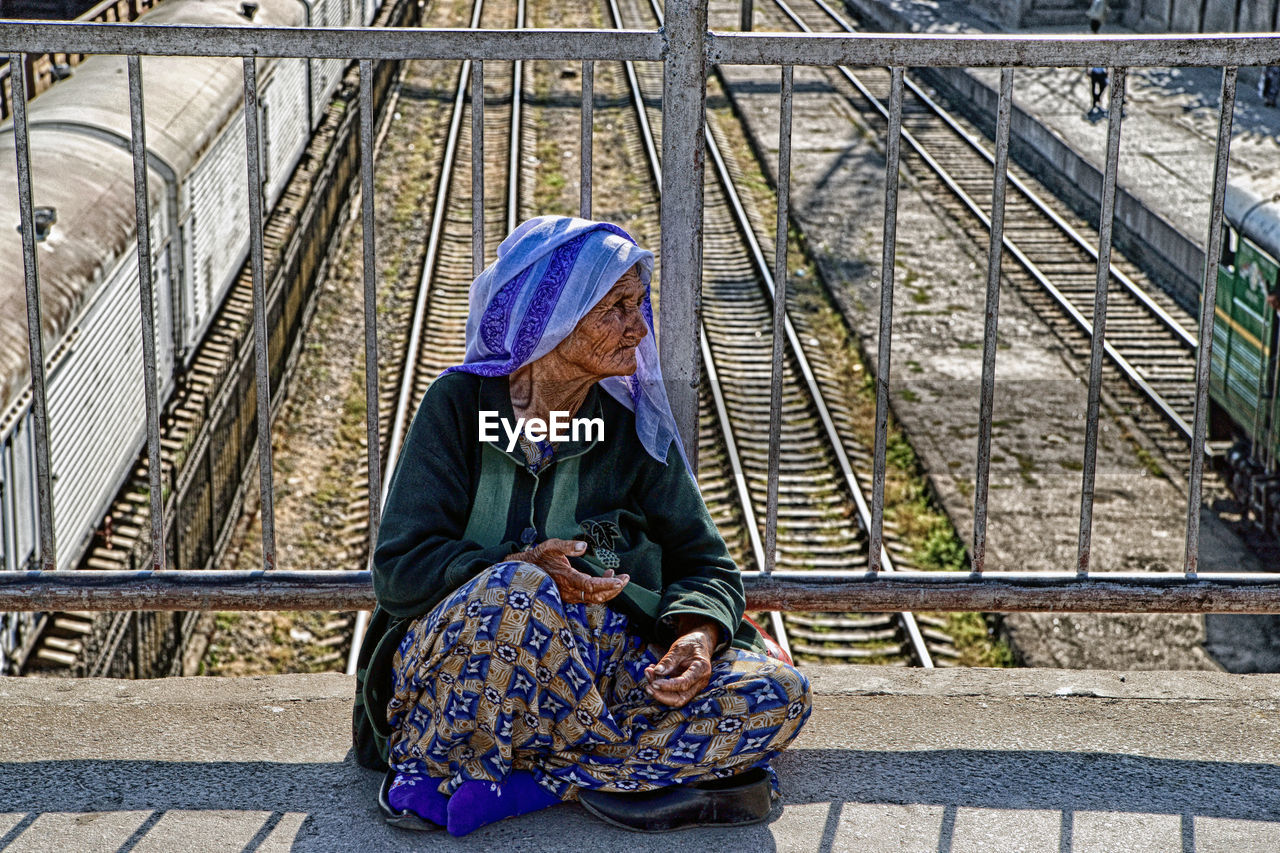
(604, 341)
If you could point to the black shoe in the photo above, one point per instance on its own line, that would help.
(406, 818)
(736, 801)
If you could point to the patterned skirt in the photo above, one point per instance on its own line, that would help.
(502, 675)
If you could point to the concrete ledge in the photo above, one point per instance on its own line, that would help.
(1031, 760)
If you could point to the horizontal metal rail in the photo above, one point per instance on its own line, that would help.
(988, 51)
(330, 42)
(867, 49)
(990, 592)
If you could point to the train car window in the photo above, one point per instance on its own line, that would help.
(1230, 242)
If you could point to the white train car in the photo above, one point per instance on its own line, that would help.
(82, 173)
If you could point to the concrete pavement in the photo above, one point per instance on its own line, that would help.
(955, 760)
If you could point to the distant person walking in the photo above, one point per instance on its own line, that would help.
(1098, 79)
(1269, 85)
(1097, 14)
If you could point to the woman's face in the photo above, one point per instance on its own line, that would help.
(604, 341)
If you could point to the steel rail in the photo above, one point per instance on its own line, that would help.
(1125, 366)
(142, 215)
(477, 166)
(261, 337)
(884, 337)
(1039, 51)
(680, 211)
(1209, 302)
(990, 51)
(584, 147)
(1031, 195)
(708, 361)
(404, 400)
(369, 272)
(513, 149)
(765, 276)
(1101, 290)
(35, 323)
(782, 221)
(991, 323)
(870, 592)
(376, 43)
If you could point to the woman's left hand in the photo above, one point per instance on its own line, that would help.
(685, 669)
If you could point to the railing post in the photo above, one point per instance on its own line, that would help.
(35, 325)
(1208, 300)
(683, 149)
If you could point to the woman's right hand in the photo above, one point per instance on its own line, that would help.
(552, 556)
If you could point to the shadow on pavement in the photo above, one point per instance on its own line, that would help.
(1065, 782)
(312, 806)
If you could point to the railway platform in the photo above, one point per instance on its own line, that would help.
(1166, 165)
(893, 760)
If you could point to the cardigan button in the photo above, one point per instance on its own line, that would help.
(529, 536)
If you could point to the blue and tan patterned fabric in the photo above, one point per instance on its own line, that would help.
(503, 675)
(538, 455)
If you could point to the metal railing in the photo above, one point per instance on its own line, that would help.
(685, 48)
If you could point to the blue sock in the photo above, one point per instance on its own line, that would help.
(421, 795)
(477, 803)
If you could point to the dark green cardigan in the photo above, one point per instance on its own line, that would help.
(458, 505)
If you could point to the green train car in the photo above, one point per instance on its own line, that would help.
(1243, 374)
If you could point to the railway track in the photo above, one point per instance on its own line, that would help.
(820, 525)
(1050, 255)
(822, 516)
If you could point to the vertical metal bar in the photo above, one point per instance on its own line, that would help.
(745, 15)
(893, 149)
(35, 341)
(1115, 118)
(260, 342)
(995, 251)
(513, 152)
(370, 301)
(588, 126)
(477, 166)
(1209, 289)
(683, 149)
(142, 209)
(779, 317)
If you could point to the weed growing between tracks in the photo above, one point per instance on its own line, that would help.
(912, 514)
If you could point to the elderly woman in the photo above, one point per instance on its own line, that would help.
(558, 617)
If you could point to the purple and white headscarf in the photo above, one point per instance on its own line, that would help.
(549, 273)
